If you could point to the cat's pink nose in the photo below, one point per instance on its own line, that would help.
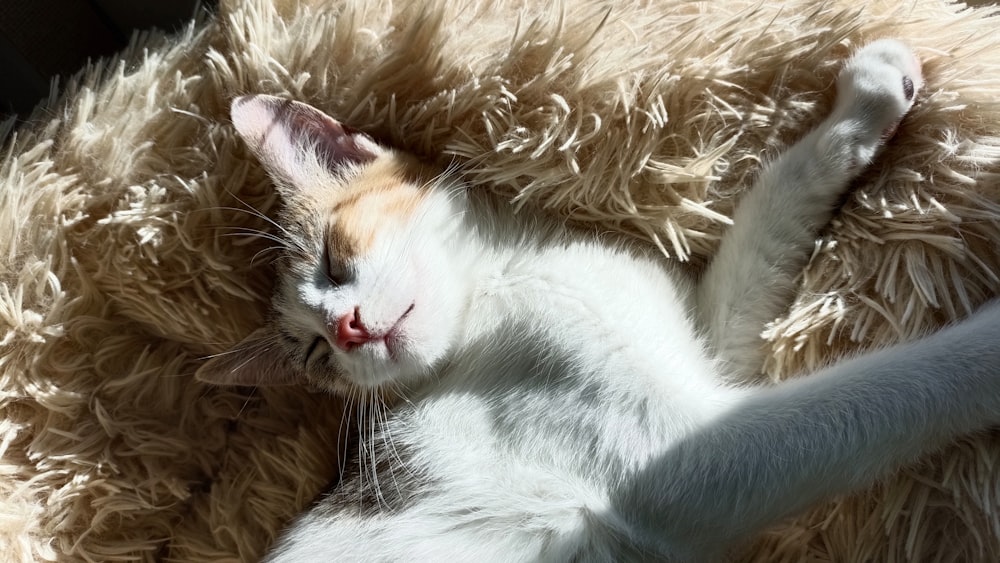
(350, 332)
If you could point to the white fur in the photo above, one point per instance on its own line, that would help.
(569, 398)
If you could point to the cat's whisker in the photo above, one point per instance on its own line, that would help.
(371, 455)
(282, 245)
(293, 242)
(234, 351)
(263, 251)
(256, 234)
(252, 232)
(399, 389)
(346, 417)
(447, 178)
(390, 447)
(373, 464)
(251, 355)
(362, 454)
(253, 211)
(246, 402)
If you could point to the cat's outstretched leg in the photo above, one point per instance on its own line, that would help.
(791, 445)
(750, 281)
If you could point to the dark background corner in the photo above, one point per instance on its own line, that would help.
(42, 39)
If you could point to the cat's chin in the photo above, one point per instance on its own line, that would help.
(381, 363)
(343, 387)
(360, 384)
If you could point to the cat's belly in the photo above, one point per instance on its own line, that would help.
(511, 463)
(534, 413)
(526, 419)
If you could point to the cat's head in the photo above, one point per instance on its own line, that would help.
(370, 289)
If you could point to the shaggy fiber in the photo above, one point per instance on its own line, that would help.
(127, 253)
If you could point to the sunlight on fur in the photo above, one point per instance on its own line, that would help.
(130, 211)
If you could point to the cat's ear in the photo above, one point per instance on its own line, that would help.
(295, 141)
(256, 361)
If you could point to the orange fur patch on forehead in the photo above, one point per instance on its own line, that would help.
(389, 190)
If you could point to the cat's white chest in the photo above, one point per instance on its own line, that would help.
(526, 365)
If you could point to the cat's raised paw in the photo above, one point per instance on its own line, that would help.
(875, 89)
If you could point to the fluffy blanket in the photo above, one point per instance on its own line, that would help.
(125, 258)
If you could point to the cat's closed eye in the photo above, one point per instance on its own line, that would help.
(336, 271)
(316, 344)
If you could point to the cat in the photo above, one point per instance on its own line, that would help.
(559, 395)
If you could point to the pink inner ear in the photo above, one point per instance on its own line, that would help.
(280, 131)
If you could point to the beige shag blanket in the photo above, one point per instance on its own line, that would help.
(124, 258)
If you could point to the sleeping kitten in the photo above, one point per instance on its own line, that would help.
(565, 397)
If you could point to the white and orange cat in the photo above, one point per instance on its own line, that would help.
(568, 397)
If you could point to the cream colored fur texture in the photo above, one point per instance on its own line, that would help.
(125, 257)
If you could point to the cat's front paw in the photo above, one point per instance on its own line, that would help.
(875, 89)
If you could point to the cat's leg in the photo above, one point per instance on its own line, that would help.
(751, 279)
(793, 444)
